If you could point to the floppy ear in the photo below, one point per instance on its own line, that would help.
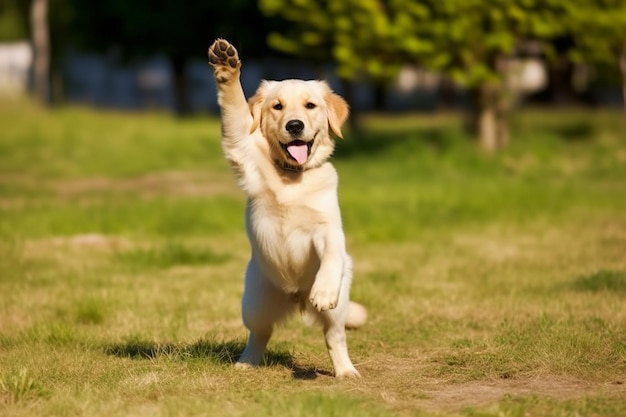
(256, 104)
(337, 111)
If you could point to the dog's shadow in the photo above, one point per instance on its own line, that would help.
(218, 352)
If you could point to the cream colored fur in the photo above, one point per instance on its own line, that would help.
(299, 259)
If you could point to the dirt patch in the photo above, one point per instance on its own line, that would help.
(481, 393)
(151, 185)
(404, 385)
(175, 183)
(90, 240)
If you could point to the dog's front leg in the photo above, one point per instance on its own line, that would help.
(330, 295)
(235, 112)
(324, 294)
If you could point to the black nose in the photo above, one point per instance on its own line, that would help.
(294, 127)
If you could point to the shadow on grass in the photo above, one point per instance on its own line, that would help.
(371, 142)
(570, 130)
(444, 137)
(603, 280)
(217, 352)
(576, 131)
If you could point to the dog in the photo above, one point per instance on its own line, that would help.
(278, 144)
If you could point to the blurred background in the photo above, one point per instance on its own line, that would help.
(483, 58)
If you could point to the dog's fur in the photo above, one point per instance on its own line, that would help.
(278, 144)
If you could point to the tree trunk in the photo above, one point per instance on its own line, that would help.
(41, 49)
(487, 128)
(492, 123)
(181, 86)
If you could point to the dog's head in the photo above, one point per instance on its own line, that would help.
(297, 117)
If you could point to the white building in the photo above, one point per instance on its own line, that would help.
(15, 62)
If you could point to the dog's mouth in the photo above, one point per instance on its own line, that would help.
(298, 150)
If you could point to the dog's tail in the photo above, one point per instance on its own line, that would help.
(357, 315)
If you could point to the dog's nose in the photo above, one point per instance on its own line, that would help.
(294, 127)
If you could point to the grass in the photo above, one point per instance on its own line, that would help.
(494, 283)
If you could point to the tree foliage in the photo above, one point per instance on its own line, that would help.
(13, 20)
(598, 28)
(460, 38)
(353, 33)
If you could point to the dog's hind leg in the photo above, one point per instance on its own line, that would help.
(262, 306)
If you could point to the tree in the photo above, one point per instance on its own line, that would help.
(469, 41)
(41, 49)
(473, 42)
(45, 23)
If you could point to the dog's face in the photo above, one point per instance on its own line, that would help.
(296, 118)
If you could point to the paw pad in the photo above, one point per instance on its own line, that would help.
(223, 53)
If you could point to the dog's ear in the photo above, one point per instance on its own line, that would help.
(338, 111)
(256, 104)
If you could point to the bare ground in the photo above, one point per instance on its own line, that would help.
(481, 393)
(161, 184)
(399, 383)
(158, 184)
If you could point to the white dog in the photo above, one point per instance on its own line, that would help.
(278, 145)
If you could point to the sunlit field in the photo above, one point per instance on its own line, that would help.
(495, 284)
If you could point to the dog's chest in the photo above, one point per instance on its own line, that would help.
(282, 236)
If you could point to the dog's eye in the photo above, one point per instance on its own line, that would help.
(310, 105)
(278, 106)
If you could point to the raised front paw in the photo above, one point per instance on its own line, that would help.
(323, 298)
(225, 61)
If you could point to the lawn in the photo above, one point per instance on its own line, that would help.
(495, 284)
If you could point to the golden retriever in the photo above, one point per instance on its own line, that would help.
(278, 145)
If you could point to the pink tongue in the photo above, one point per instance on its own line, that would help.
(299, 152)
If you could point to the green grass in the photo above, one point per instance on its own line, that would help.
(495, 283)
